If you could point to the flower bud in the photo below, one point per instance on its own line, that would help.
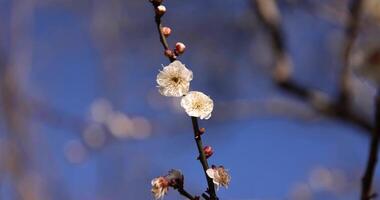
(166, 31)
(175, 178)
(169, 53)
(160, 10)
(201, 131)
(180, 48)
(208, 151)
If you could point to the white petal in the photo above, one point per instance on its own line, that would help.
(153, 181)
(165, 79)
(210, 173)
(197, 104)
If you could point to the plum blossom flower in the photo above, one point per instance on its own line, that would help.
(219, 176)
(197, 104)
(160, 186)
(174, 79)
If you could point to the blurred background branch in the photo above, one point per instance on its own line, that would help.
(268, 13)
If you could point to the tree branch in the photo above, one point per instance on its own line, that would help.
(194, 120)
(184, 193)
(267, 12)
(372, 157)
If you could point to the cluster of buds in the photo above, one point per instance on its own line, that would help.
(166, 31)
(160, 185)
(179, 46)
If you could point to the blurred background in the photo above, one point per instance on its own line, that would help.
(81, 117)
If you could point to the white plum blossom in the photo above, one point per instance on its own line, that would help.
(219, 176)
(160, 186)
(197, 104)
(174, 79)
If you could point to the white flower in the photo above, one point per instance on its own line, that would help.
(174, 79)
(197, 104)
(219, 176)
(160, 186)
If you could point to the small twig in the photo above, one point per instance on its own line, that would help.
(372, 157)
(194, 120)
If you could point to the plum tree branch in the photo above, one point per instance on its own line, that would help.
(197, 135)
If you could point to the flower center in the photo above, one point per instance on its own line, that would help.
(175, 79)
(197, 105)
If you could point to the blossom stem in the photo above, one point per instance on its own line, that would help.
(162, 36)
(194, 120)
(184, 193)
(202, 158)
(373, 155)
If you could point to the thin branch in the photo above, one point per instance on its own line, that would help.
(352, 29)
(211, 188)
(372, 158)
(184, 193)
(202, 158)
(270, 17)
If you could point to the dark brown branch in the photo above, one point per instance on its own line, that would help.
(202, 158)
(194, 120)
(184, 193)
(282, 71)
(372, 157)
(162, 37)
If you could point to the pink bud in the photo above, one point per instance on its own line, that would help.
(160, 10)
(202, 130)
(180, 48)
(208, 151)
(169, 53)
(166, 31)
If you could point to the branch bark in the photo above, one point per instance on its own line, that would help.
(184, 193)
(373, 155)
